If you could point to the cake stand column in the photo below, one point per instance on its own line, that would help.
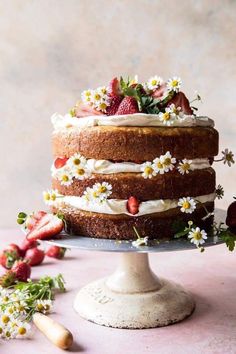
(134, 297)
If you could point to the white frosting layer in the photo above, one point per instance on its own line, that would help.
(118, 206)
(108, 167)
(136, 120)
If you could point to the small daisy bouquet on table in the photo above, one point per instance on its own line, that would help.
(19, 302)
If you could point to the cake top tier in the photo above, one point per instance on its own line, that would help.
(130, 103)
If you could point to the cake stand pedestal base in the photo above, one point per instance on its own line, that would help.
(134, 297)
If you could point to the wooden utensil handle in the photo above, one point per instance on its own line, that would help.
(54, 331)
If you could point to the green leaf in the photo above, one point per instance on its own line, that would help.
(182, 233)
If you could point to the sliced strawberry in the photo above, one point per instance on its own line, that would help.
(128, 105)
(114, 105)
(159, 92)
(133, 205)
(21, 270)
(8, 257)
(34, 256)
(114, 87)
(33, 218)
(60, 162)
(48, 226)
(56, 252)
(180, 100)
(85, 110)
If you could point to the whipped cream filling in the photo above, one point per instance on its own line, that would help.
(109, 167)
(128, 120)
(118, 206)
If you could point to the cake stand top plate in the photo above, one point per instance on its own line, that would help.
(106, 245)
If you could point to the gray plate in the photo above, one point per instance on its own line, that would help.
(105, 245)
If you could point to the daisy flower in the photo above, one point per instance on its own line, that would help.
(76, 160)
(174, 84)
(96, 97)
(187, 204)
(184, 166)
(102, 90)
(154, 82)
(88, 194)
(44, 306)
(50, 196)
(167, 117)
(148, 170)
(102, 106)
(86, 96)
(142, 241)
(65, 176)
(101, 191)
(158, 166)
(22, 329)
(197, 236)
(176, 111)
(168, 161)
(228, 157)
(80, 173)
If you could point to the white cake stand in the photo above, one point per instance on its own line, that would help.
(133, 296)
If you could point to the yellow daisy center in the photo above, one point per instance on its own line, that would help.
(148, 170)
(80, 171)
(77, 161)
(159, 165)
(103, 106)
(154, 82)
(21, 331)
(87, 93)
(186, 205)
(65, 178)
(197, 235)
(102, 189)
(186, 166)
(97, 97)
(5, 319)
(167, 161)
(40, 307)
(47, 196)
(53, 197)
(175, 83)
(166, 116)
(104, 90)
(5, 299)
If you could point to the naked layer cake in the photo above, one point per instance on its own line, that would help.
(133, 155)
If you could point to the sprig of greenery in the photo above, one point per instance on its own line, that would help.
(225, 235)
(184, 231)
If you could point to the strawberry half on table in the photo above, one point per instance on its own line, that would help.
(47, 226)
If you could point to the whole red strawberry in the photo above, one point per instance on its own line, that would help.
(60, 162)
(133, 205)
(26, 245)
(47, 226)
(180, 100)
(231, 217)
(14, 247)
(128, 105)
(56, 252)
(34, 256)
(114, 105)
(8, 257)
(21, 270)
(114, 87)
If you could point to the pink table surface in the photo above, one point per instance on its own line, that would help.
(210, 276)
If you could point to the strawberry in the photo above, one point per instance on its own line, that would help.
(56, 252)
(8, 257)
(85, 110)
(21, 270)
(47, 226)
(128, 105)
(133, 205)
(180, 100)
(231, 216)
(26, 245)
(60, 162)
(114, 105)
(15, 248)
(114, 87)
(7, 279)
(33, 218)
(34, 256)
(159, 92)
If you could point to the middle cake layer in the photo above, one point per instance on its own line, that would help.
(169, 185)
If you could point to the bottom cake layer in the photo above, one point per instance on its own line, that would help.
(162, 225)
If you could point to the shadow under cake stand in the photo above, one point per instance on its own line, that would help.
(133, 296)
